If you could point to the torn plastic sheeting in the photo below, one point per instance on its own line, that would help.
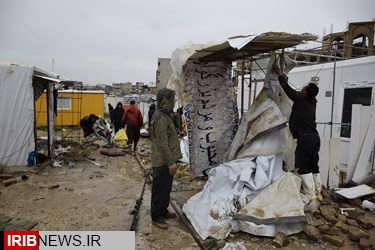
(178, 60)
(184, 146)
(61, 150)
(240, 42)
(279, 203)
(234, 246)
(270, 230)
(266, 115)
(272, 142)
(230, 186)
(278, 208)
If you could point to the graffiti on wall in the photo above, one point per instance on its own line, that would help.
(211, 113)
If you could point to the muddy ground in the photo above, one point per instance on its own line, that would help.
(100, 195)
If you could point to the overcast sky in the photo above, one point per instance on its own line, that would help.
(101, 42)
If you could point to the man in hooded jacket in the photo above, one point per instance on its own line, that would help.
(134, 121)
(165, 152)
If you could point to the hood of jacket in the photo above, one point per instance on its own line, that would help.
(165, 100)
(118, 104)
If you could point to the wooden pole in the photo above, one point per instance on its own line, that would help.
(187, 224)
(242, 86)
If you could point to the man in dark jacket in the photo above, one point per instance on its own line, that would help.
(134, 121)
(151, 111)
(110, 108)
(86, 124)
(302, 125)
(116, 116)
(165, 152)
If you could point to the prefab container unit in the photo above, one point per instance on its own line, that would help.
(72, 106)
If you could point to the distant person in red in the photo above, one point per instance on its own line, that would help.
(134, 121)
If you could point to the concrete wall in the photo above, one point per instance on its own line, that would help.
(163, 73)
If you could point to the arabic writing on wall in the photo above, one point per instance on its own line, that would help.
(211, 113)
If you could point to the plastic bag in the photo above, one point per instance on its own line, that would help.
(121, 138)
(184, 146)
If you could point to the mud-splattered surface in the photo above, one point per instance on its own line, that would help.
(91, 197)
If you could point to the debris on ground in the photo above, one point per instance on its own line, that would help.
(112, 152)
(51, 200)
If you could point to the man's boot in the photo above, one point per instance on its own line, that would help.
(308, 185)
(318, 187)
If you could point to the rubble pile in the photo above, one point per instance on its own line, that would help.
(67, 153)
(340, 222)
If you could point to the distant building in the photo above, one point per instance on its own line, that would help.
(153, 88)
(100, 87)
(356, 41)
(108, 89)
(163, 73)
(122, 88)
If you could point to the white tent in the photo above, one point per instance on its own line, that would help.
(20, 87)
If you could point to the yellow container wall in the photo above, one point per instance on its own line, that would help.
(81, 104)
(41, 110)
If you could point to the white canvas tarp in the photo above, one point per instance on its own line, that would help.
(20, 87)
(254, 164)
(212, 210)
(277, 208)
(16, 115)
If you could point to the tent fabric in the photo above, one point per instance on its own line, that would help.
(16, 115)
(234, 184)
(179, 59)
(20, 87)
(270, 208)
(265, 118)
(240, 42)
(229, 186)
(261, 130)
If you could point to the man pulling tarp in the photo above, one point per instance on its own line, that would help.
(254, 160)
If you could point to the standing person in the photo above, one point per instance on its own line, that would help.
(86, 124)
(110, 108)
(165, 152)
(116, 116)
(134, 121)
(176, 118)
(151, 111)
(183, 126)
(302, 126)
